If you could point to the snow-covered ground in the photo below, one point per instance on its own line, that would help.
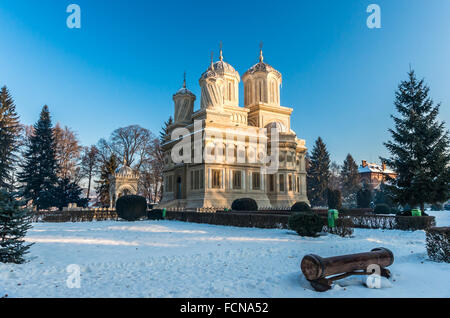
(176, 259)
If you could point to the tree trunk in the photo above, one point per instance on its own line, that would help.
(422, 207)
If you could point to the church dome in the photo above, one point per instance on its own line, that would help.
(124, 171)
(220, 69)
(262, 67)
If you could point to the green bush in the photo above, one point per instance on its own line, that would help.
(156, 214)
(408, 213)
(131, 207)
(306, 223)
(301, 207)
(382, 208)
(334, 199)
(244, 204)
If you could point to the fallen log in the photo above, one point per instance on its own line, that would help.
(316, 269)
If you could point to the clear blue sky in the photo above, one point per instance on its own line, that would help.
(127, 60)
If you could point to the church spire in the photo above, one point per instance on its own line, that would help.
(221, 55)
(212, 61)
(261, 57)
(184, 80)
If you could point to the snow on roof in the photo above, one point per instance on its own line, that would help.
(373, 167)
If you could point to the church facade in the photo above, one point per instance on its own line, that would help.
(226, 146)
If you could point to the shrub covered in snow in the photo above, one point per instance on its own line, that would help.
(301, 207)
(306, 223)
(343, 228)
(244, 204)
(438, 244)
(131, 207)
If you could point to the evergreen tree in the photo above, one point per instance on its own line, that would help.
(9, 138)
(364, 197)
(318, 174)
(164, 133)
(419, 148)
(107, 169)
(68, 192)
(349, 176)
(39, 168)
(14, 223)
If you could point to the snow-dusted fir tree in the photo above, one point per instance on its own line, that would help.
(318, 174)
(14, 223)
(39, 168)
(9, 138)
(419, 148)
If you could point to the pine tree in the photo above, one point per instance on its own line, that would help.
(68, 192)
(164, 133)
(318, 174)
(419, 148)
(9, 138)
(107, 169)
(14, 223)
(350, 176)
(38, 174)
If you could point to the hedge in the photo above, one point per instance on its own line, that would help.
(390, 222)
(438, 244)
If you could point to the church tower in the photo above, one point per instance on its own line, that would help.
(184, 105)
(262, 84)
(219, 85)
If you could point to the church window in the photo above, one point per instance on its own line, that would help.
(256, 181)
(298, 184)
(290, 182)
(281, 181)
(237, 179)
(216, 179)
(271, 182)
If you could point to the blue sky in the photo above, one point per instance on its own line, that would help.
(128, 58)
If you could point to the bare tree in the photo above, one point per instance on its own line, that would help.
(89, 165)
(67, 153)
(133, 144)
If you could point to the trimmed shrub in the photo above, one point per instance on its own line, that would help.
(413, 223)
(305, 223)
(334, 199)
(244, 204)
(382, 208)
(155, 214)
(131, 207)
(438, 244)
(301, 207)
(343, 228)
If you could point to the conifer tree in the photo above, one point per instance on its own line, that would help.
(164, 133)
(14, 223)
(9, 138)
(419, 147)
(39, 168)
(68, 192)
(350, 176)
(318, 174)
(107, 169)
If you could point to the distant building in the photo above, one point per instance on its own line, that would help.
(373, 174)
